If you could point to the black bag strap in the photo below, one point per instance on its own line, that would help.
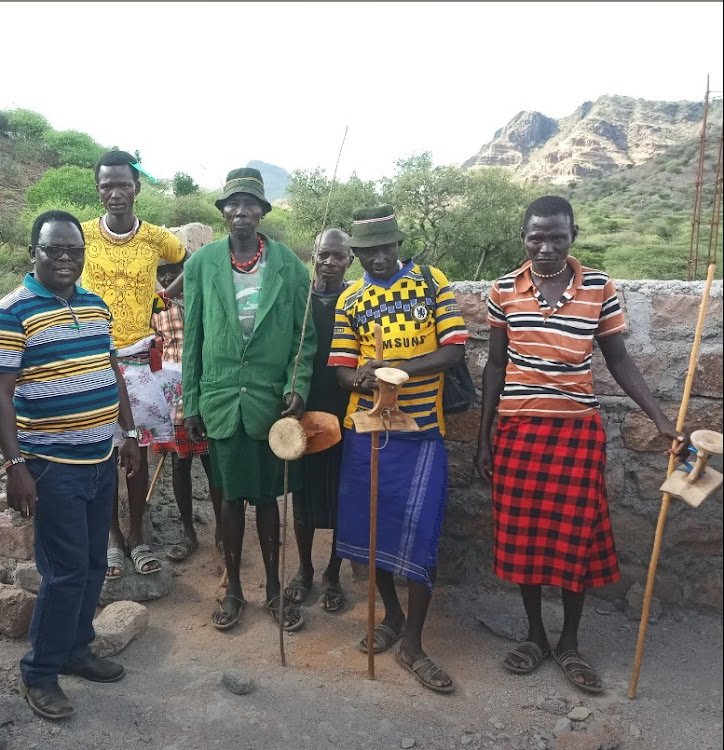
(427, 275)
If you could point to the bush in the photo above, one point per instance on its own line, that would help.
(183, 184)
(74, 148)
(65, 184)
(27, 125)
(4, 122)
(82, 213)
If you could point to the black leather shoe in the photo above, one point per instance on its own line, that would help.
(95, 669)
(50, 703)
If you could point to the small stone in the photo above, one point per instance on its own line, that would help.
(579, 713)
(237, 682)
(117, 626)
(407, 743)
(562, 726)
(466, 739)
(634, 731)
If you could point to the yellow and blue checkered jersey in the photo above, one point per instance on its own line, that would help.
(415, 321)
(66, 393)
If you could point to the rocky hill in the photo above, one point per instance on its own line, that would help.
(276, 179)
(601, 137)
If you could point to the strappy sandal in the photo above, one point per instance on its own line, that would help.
(385, 636)
(182, 550)
(115, 558)
(424, 671)
(331, 592)
(234, 619)
(530, 653)
(574, 665)
(290, 611)
(297, 590)
(142, 555)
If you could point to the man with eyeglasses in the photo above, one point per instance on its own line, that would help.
(61, 395)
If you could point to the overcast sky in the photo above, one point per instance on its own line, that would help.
(205, 87)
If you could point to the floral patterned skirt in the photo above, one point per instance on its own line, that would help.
(151, 411)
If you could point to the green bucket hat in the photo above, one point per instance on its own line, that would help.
(374, 226)
(244, 180)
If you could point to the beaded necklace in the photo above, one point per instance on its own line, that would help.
(548, 275)
(126, 236)
(247, 266)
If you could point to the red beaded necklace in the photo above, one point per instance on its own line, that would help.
(246, 265)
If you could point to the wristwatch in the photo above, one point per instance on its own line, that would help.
(133, 433)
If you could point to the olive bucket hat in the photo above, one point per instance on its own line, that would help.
(374, 226)
(244, 180)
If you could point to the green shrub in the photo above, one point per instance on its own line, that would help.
(82, 213)
(65, 184)
(4, 122)
(183, 184)
(27, 125)
(74, 148)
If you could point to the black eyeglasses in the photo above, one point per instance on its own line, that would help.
(54, 252)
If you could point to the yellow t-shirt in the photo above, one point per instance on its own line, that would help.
(123, 274)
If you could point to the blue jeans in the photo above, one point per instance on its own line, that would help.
(72, 521)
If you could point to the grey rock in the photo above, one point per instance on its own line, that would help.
(407, 743)
(117, 626)
(562, 726)
(466, 739)
(134, 587)
(634, 731)
(27, 576)
(16, 610)
(579, 713)
(556, 706)
(237, 682)
(508, 626)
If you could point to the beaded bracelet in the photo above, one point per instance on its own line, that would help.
(13, 462)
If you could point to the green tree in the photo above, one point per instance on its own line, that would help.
(465, 222)
(183, 184)
(27, 125)
(308, 194)
(74, 148)
(67, 184)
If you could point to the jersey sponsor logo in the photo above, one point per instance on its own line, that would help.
(403, 342)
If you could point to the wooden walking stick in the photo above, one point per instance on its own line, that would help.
(283, 425)
(156, 475)
(372, 578)
(658, 537)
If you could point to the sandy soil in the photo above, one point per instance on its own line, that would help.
(172, 697)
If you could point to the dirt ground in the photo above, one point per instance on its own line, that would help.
(172, 697)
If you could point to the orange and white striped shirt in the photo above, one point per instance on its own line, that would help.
(550, 350)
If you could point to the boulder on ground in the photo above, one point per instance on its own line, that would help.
(134, 587)
(117, 626)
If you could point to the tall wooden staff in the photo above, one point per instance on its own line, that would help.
(665, 499)
(285, 507)
(372, 578)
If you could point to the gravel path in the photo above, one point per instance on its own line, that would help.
(173, 697)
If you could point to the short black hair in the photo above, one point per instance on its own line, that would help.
(50, 217)
(549, 205)
(117, 159)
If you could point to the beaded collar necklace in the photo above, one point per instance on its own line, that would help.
(548, 275)
(114, 235)
(247, 266)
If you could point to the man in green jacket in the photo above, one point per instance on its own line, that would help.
(245, 301)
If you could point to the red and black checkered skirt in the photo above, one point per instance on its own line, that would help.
(549, 503)
(182, 445)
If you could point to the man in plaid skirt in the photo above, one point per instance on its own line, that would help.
(546, 463)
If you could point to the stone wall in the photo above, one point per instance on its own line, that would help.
(662, 318)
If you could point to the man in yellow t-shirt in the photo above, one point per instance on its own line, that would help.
(122, 254)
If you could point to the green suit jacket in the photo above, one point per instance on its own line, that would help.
(224, 381)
